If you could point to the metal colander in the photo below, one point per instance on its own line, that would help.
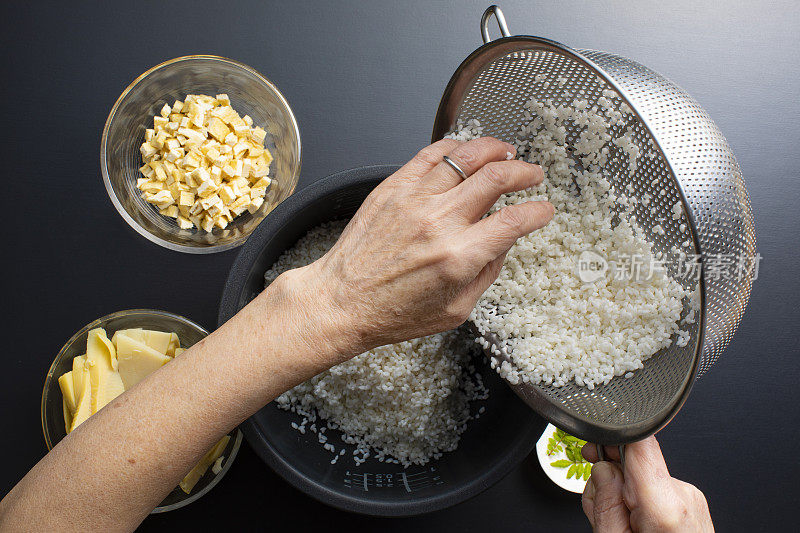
(687, 157)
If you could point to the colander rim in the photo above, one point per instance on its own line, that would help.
(580, 426)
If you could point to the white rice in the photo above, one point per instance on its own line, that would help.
(555, 327)
(403, 403)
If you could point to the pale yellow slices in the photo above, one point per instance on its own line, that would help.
(200, 468)
(83, 409)
(110, 367)
(137, 360)
(101, 358)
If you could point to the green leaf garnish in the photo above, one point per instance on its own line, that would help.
(571, 470)
(576, 465)
(554, 444)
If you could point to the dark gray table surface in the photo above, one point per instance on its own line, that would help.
(364, 80)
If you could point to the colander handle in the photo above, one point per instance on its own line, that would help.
(501, 21)
(602, 455)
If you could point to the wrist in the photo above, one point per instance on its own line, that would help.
(325, 332)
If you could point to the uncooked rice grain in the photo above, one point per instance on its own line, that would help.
(405, 403)
(552, 326)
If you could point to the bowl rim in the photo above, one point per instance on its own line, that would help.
(254, 432)
(214, 248)
(236, 433)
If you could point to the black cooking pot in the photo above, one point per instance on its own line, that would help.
(492, 445)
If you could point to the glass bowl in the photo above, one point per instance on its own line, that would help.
(250, 94)
(52, 411)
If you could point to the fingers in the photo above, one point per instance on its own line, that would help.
(602, 499)
(653, 501)
(476, 195)
(495, 234)
(650, 492)
(425, 160)
(469, 157)
(589, 452)
(483, 280)
(644, 464)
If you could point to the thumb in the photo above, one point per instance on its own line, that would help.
(603, 502)
(484, 279)
(649, 490)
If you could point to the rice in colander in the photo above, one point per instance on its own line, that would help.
(555, 326)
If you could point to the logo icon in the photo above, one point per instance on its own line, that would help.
(591, 267)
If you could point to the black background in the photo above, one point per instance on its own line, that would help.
(364, 80)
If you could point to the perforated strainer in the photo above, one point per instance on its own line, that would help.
(688, 158)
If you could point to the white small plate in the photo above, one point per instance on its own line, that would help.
(556, 475)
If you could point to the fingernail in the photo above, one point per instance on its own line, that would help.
(602, 473)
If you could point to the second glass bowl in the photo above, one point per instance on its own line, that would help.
(52, 412)
(250, 94)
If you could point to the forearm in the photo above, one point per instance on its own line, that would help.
(413, 261)
(117, 466)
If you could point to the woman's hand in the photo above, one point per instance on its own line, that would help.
(413, 261)
(643, 497)
(417, 255)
